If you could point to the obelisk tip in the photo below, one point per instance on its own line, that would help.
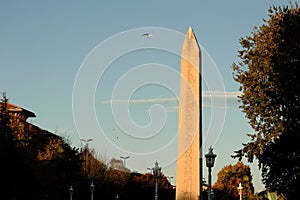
(190, 33)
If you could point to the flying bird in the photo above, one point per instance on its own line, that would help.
(147, 35)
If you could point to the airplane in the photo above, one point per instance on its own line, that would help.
(147, 35)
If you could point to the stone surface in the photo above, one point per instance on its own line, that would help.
(188, 161)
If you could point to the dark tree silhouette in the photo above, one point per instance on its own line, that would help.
(269, 74)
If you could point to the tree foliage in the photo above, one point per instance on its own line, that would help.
(229, 178)
(36, 164)
(92, 167)
(269, 73)
(6, 137)
(141, 186)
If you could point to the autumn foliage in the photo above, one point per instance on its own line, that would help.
(269, 73)
(229, 178)
(37, 164)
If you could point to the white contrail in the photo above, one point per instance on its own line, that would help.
(206, 94)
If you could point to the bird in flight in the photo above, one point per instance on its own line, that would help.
(147, 35)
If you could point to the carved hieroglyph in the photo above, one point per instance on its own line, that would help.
(188, 161)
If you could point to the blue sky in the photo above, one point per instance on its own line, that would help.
(45, 47)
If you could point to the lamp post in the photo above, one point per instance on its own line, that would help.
(156, 172)
(240, 189)
(71, 192)
(86, 141)
(210, 161)
(124, 160)
(92, 188)
(86, 149)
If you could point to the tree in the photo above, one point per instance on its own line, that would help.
(141, 186)
(6, 135)
(92, 167)
(7, 150)
(269, 73)
(35, 164)
(118, 165)
(229, 178)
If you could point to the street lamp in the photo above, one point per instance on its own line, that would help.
(240, 189)
(71, 192)
(156, 172)
(92, 188)
(210, 161)
(117, 197)
(124, 160)
(86, 141)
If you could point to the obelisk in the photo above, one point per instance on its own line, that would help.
(189, 164)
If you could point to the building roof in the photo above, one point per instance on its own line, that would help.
(17, 109)
(14, 109)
